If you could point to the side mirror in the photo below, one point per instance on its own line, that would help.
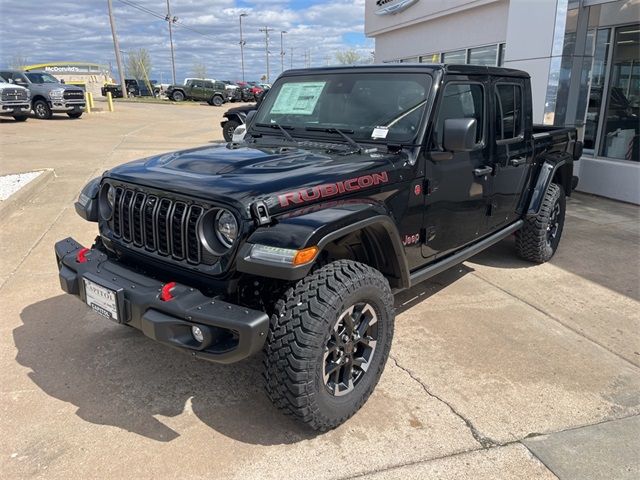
(460, 134)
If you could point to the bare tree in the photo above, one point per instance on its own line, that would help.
(139, 64)
(199, 70)
(18, 61)
(348, 57)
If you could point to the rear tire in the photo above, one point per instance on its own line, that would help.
(74, 114)
(539, 237)
(328, 342)
(41, 110)
(20, 118)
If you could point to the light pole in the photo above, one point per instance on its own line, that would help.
(266, 31)
(116, 47)
(242, 42)
(171, 20)
(282, 32)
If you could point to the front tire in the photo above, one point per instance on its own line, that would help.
(539, 237)
(228, 129)
(20, 118)
(177, 96)
(41, 110)
(329, 340)
(74, 114)
(217, 101)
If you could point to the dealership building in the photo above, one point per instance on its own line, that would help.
(583, 57)
(89, 76)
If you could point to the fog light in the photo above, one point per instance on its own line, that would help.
(197, 334)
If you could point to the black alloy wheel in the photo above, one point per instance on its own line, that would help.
(350, 348)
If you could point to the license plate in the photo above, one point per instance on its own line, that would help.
(102, 300)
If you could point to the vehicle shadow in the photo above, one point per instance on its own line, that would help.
(116, 376)
(421, 292)
(501, 255)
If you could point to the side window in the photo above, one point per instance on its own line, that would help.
(461, 100)
(508, 111)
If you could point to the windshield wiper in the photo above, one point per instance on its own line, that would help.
(282, 128)
(342, 133)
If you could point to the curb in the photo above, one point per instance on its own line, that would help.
(24, 194)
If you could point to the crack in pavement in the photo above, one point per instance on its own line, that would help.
(483, 440)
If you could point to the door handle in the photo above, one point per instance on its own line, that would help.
(481, 172)
(516, 162)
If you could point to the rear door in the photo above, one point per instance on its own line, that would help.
(460, 182)
(512, 149)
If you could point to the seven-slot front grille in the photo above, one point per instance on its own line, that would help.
(14, 94)
(159, 224)
(73, 95)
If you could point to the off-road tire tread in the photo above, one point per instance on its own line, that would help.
(531, 239)
(299, 325)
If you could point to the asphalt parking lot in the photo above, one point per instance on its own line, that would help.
(499, 369)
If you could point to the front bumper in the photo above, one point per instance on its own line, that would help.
(231, 332)
(64, 106)
(15, 108)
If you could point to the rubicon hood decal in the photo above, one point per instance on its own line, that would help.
(330, 189)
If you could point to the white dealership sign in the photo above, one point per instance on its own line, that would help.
(391, 7)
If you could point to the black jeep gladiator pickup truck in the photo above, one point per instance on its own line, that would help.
(352, 183)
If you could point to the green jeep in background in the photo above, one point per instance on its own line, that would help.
(214, 93)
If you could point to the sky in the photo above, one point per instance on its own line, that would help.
(207, 32)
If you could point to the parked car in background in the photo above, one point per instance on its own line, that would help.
(135, 88)
(48, 94)
(15, 101)
(212, 92)
(237, 117)
(235, 94)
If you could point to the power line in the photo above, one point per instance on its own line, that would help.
(161, 16)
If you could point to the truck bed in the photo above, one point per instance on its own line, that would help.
(554, 139)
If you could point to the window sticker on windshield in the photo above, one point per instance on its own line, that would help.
(297, 98)
(380, 132)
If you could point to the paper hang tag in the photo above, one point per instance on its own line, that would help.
(380, 132)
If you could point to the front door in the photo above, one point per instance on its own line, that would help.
(459, 183)
(512, 149)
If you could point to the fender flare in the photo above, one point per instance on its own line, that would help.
(556, 165)
(319, 228)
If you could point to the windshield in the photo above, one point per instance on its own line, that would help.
(369, 106)
(3, 80)
(38, 77)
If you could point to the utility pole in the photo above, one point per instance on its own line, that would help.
(282, 32)
(291, 52)
(242, 43)
(116, 47)
(266, 31)
(171, 20)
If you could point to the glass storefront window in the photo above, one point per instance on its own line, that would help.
(600, 56)
(433, 58)
(483, 55)
(622, 119)
(456, 57)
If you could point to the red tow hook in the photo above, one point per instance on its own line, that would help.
(81, 256)
(165, 292)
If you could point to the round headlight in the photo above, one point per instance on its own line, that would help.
(226, 228)
(107, 201)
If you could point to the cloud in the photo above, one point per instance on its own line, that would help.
(207, 32)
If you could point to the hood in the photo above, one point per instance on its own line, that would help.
(12, 85)
(240, 176)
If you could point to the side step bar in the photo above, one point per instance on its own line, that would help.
(459, 257)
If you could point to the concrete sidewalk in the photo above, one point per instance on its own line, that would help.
(499, 368)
